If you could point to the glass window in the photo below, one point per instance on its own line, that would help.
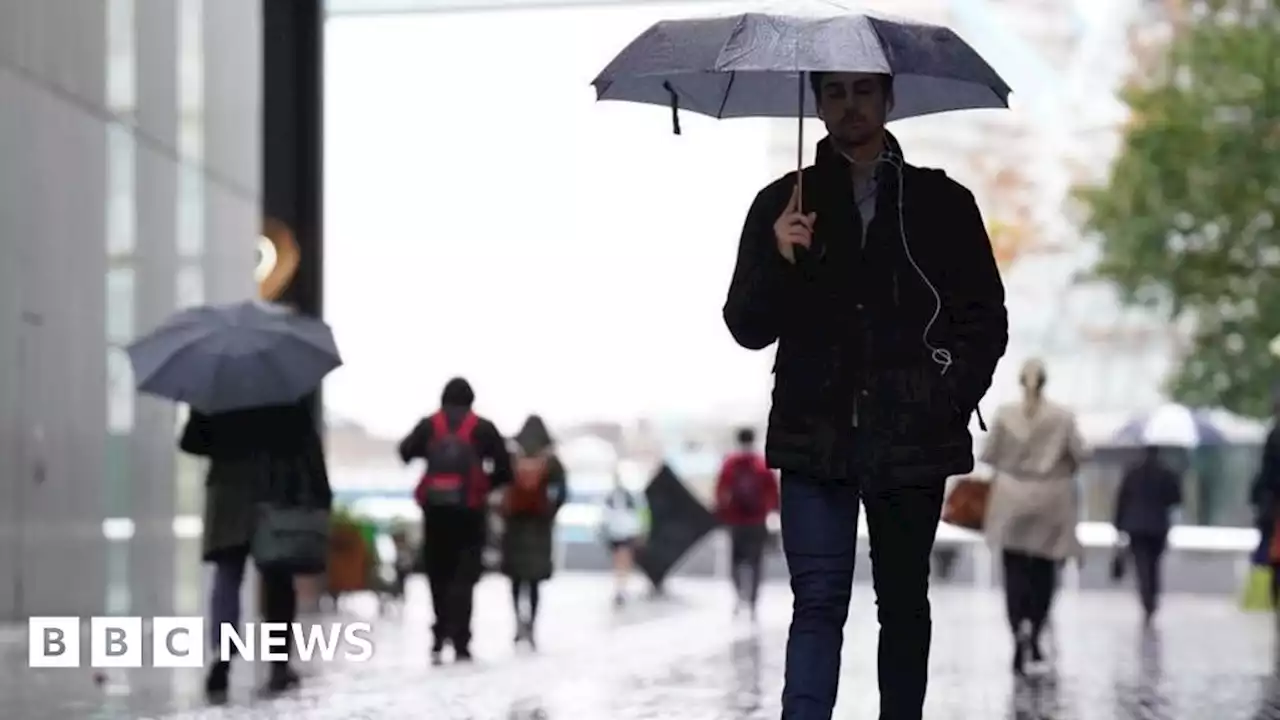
(190, 289)
(120, 394)
(191, 209)
(121, 178)
(191, 57)
(121, 58)
(120, 289)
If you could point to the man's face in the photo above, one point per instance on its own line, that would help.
(853, 106)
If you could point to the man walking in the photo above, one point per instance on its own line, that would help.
(880, 286)
(1148, 495)
(746, 493)
(457, 445)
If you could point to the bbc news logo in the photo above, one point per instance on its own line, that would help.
(182, 642)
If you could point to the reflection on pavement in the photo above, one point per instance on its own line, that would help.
(687, 659)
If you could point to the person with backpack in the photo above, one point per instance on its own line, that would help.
(529, 508)
(746, 493)
(623, 525)
(466, 458)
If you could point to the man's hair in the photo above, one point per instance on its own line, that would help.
(746, 436)
(815, 83)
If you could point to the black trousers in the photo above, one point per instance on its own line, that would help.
(1147, 552)
(1029, 586)
(453, 548)
(746, 560)
(520, 591)
(276, 592)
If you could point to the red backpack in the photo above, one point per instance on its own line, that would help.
(455, 474)
(527, 494)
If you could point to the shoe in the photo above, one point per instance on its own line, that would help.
(437, 657)
(1020, 658)
(463, 655)
(619, 600)
(216, 682)
(282, 679)
(1033, 648)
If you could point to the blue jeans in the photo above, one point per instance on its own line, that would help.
(819, 537)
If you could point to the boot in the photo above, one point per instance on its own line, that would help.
(437, 652)
(282, 678)
(216, 682)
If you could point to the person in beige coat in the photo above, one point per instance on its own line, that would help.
(1034, 448)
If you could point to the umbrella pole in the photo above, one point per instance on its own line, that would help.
(800, 141)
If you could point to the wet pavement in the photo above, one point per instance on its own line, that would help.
(685, 658)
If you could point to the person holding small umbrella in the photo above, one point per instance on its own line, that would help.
(245, 370)
(254, 455)
(878, 283)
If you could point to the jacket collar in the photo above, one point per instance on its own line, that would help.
(829, 157)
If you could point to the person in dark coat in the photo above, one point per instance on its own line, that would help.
(1265, 496)
(245, 449)
(530, 505)
(454, 537)
(879, 285)
(1148, 494)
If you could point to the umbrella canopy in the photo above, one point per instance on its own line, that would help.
(1172, 425)
(234, 357)
(753, 64)
(678, 522)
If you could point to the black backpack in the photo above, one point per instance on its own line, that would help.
(455, 474)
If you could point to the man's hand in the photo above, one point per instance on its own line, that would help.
(793, 227)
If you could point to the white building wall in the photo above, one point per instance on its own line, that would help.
(105, 229)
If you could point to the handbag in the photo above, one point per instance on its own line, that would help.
(966, 504)
(291, 535)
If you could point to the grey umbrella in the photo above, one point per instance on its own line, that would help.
(754, 65)
(233, 357)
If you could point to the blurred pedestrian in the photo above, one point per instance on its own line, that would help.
(622, 526)
(1265, 495)
(879, 284)
(529, 507)
(746, 495)
(1035, 449)
(1149, 492)
(457, 445)
(256, 456)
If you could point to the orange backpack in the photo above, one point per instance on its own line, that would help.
(527, 494)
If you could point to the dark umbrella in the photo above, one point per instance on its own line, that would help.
(677, 522)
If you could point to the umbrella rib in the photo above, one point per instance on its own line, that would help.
(728, 88)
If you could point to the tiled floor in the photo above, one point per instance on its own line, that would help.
(685, 658)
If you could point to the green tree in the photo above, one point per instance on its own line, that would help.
(1188, 219)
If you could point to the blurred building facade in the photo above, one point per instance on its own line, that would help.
(129, 189)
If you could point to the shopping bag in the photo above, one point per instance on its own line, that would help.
(966, 504)
(1257, 590)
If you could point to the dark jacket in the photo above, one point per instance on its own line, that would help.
(458, 535)
(258, 455)
(1148, 494)
(849, 317)
(528, 542)
(1265, 493)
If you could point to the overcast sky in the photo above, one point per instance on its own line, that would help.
(486, 217)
